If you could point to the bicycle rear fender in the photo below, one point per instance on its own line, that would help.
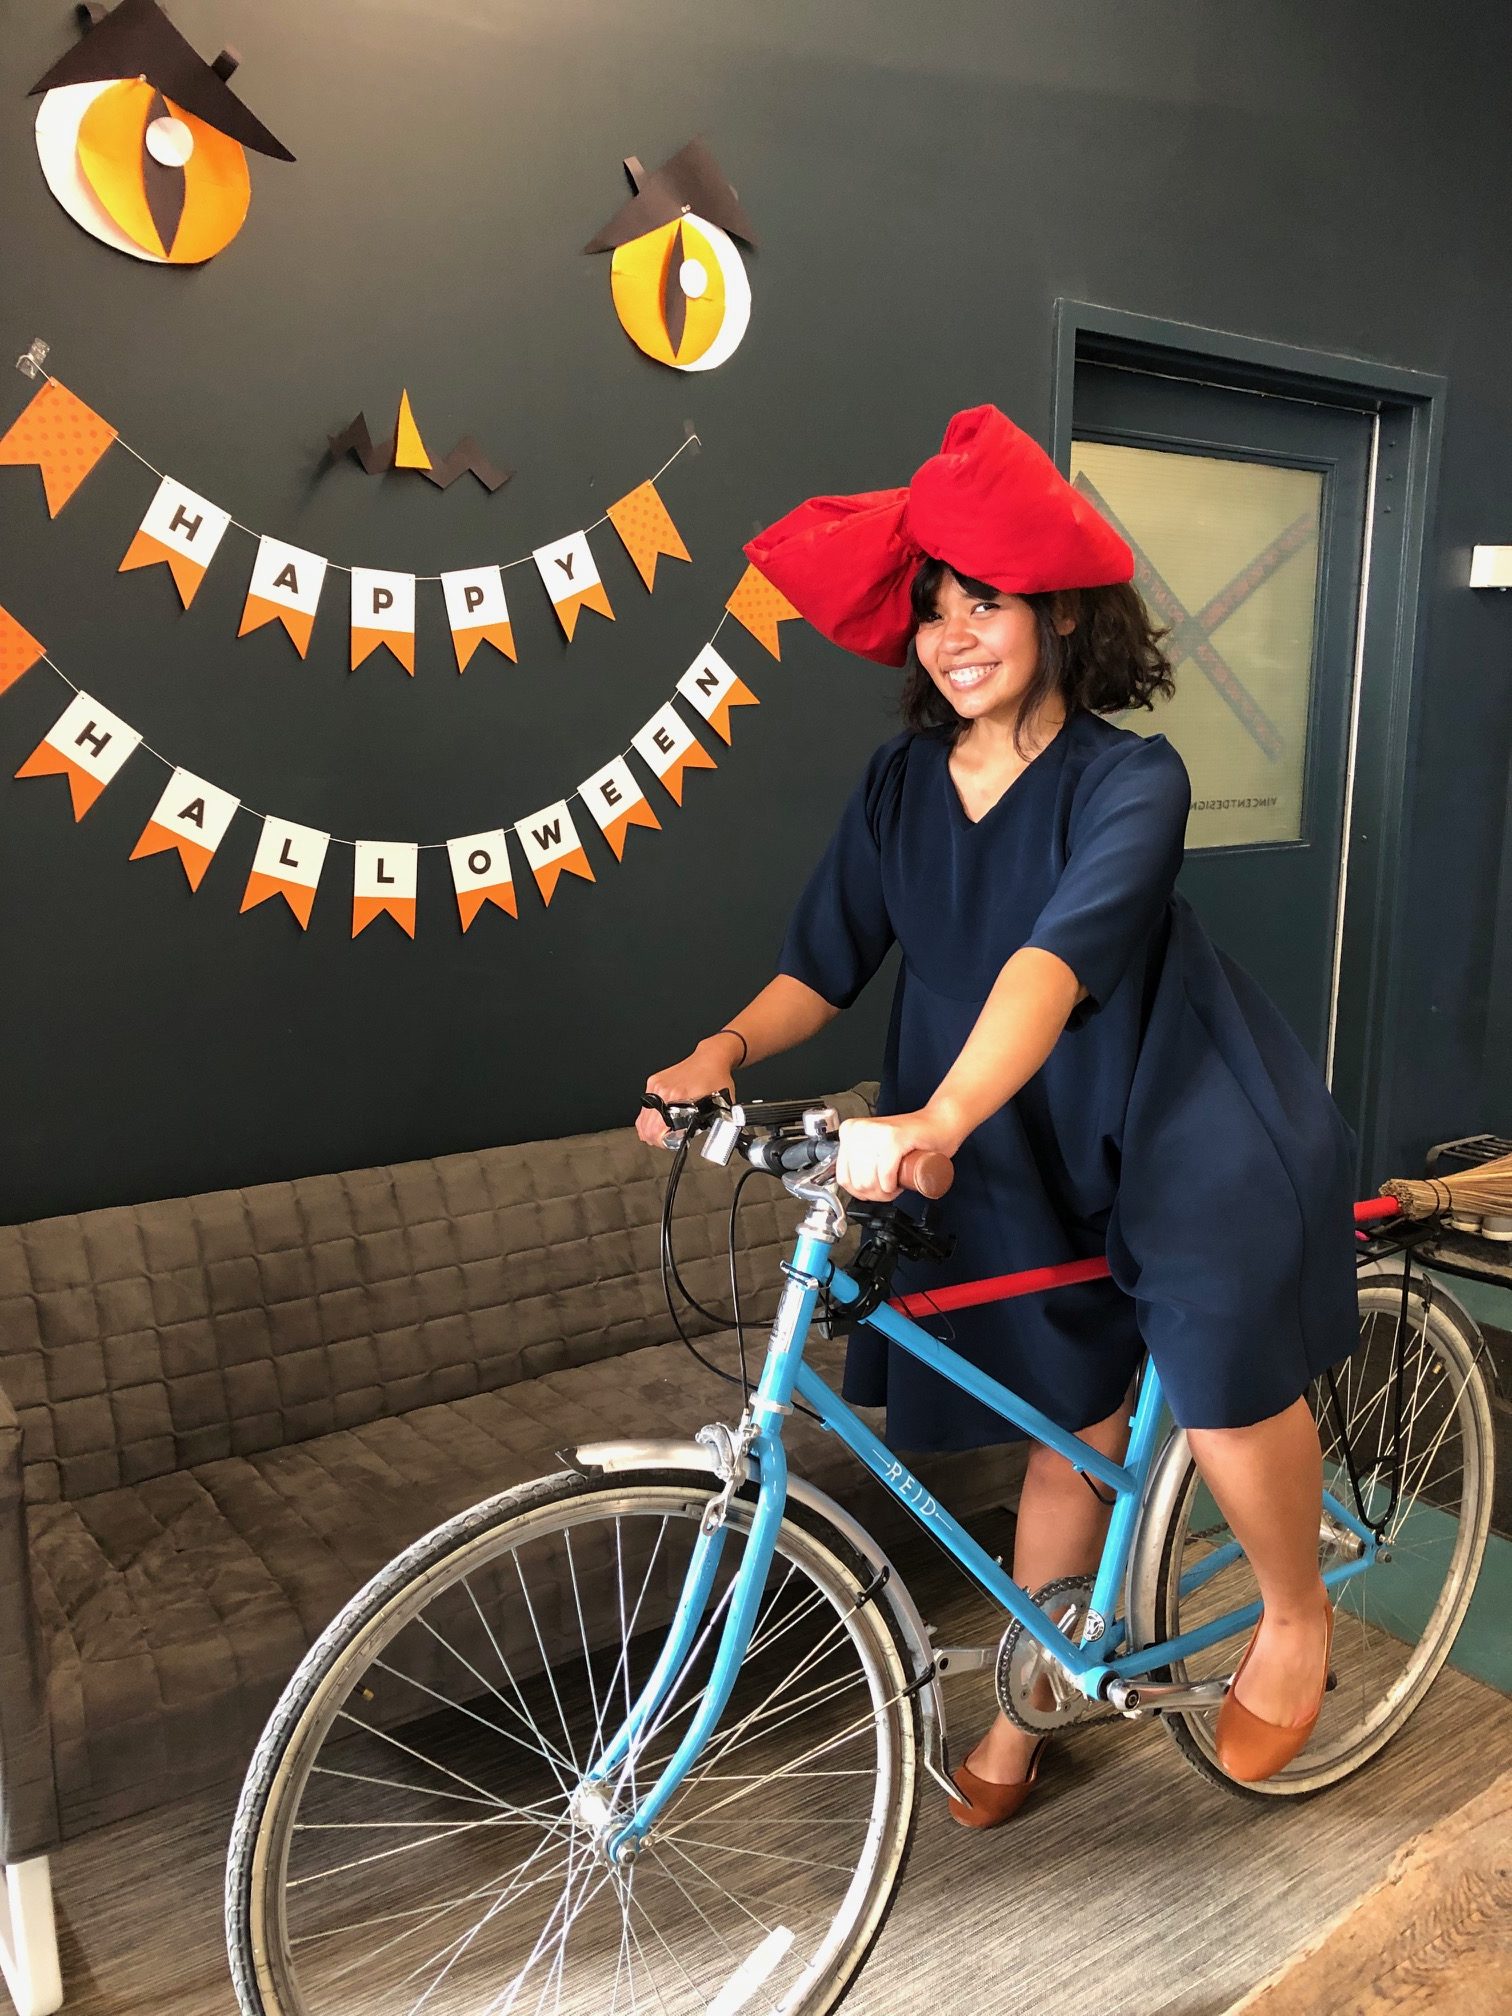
(608, 1457)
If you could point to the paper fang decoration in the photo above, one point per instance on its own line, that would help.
(760, 607)
(180, 530)
(285, 588)
(711, 689)
(617, 802)
(645, 527)
(19, 651)
(477, 612)
(287, 863)
(141, 141)
(191, 820)
(680, 289)
(58, 434)
(87, 744)
(404, 449)
(668, 746)
(384, 881)
(383, 612)
(572, 580)
(480, 873)
(552, 847)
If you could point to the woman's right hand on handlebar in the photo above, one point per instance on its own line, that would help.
(706, 1070)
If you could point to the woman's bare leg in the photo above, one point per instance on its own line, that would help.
(1268, 1481)
(1060, 1531)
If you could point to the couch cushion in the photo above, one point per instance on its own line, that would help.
(175, 1609)
(153, 1337)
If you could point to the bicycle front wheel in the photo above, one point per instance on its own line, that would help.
(408, 1839)
(1395, 1624)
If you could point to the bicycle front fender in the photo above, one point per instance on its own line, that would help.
(609, 1457)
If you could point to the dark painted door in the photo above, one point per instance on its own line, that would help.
(1246, 512)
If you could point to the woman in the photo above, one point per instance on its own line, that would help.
(1106, 1081)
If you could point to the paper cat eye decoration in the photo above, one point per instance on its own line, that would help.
(680, 289)
(142, 141)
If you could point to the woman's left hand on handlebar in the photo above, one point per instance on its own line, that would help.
(872, 1150)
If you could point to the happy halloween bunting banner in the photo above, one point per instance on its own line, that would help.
(88, 745)
(60, 436)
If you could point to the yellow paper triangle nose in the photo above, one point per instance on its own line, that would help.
(409, 449)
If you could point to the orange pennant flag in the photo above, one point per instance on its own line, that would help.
(760, 607)
(18, 650)
(668, 748)
(645, 527)
(552, 847)
(60, 436)
(617, 802)
(383, 883)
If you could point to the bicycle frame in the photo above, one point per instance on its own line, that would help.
(785, 1377)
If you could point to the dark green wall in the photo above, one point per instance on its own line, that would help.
(926, 182)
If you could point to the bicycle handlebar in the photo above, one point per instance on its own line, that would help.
(768, 1138)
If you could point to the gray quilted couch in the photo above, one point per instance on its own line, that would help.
(220, 1414)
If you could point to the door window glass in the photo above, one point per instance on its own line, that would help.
(1226, 558)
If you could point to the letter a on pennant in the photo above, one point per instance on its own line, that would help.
(57, 434)
(287, 863)
(383, 612)
(481, 873)
(711, 689)
(180, 530)
(191, 820)
(617, 802)
(477, 612)
(572, 580)
(383, 880)
(669, 747)
(760, 607)
(87, 744)
(552, 847)
(285, 588)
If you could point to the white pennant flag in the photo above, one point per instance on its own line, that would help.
(191, 820)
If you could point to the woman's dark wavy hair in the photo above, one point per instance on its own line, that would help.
(1110, 661)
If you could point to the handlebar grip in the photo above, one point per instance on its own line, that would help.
(927, 1172)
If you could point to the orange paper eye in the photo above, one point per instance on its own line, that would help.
(681, 293)
(177, 188)
(143, 142)
(680, 288)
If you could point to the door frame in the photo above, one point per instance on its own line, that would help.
(1408, 409)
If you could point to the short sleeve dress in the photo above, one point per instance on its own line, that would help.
(1178, 1126)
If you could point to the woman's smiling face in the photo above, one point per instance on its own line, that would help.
(981, 652)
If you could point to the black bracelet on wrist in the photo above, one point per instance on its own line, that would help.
(745, 1048)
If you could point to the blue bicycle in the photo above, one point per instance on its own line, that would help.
(650, 1734)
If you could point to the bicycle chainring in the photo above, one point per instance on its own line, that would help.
(1022, 1661)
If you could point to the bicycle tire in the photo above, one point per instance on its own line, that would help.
(267, 1813)
(1335, 1751)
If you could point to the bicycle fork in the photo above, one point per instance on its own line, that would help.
(758, 1438)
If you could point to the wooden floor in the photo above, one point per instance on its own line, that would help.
(1203, 1897)
(1434, 1934)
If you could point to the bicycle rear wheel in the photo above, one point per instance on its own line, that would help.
(1394, 1625)
(408, 1840)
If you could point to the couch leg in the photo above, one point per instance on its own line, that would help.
(29, 1939)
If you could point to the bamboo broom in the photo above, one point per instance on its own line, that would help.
(1485, 1191)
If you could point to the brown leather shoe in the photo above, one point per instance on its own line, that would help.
(984, 1804)
(1250, 1748)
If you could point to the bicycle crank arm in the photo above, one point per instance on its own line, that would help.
(1158, 1697)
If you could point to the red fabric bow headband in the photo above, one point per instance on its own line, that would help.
(991, 504)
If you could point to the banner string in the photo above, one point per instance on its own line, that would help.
(335, 839)
(39, 370)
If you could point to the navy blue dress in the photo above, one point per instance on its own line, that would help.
(1178, 1125)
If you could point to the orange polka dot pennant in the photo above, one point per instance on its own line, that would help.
(58, 434)
(646, 531)
(760, 607)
